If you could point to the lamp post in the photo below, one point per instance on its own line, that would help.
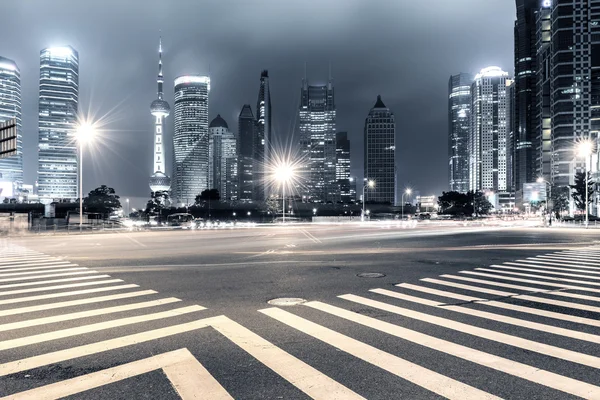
(549, 199)
(85, 133)
(585, 149)
(283, 173)
(127, 201)
(369, 183)
(408, 192)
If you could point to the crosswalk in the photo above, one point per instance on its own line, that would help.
(532, 323)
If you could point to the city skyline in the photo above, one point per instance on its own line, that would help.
(234, 82)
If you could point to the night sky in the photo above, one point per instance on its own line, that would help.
(404, 50)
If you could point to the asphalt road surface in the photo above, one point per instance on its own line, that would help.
(460, 313)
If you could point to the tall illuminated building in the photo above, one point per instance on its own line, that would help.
(246, 144)
(11, 167)
(568, 54)
(222, 159)
(380, 153)
(317, 128)
(159, 181)
(488, 139)
(342, 167)
(58, 102)
(190, 138)
(459, 125)
(263, 147)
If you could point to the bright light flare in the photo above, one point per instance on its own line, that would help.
(540, 180)
(408, 191)
(284, 172)
(86, 131)
(371, 183)
(585, 148)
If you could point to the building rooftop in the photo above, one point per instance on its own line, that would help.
(218, 122)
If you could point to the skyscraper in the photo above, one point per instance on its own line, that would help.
(246, 143)
(569, 82)
(159, 181)
(190, 138)
(525, 144)
(488, 166)
(459, 125)
(11, 167)
(58, 102)
(264, 146)
(380, 153)
(342, 167)
(317, 119)
(222, 163)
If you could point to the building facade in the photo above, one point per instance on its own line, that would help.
(459, 125)
(246, 144)
(58, 108)
(568, 35)
(190, 138)
(222, 159)
(342, 167)
(262, 157)
(317, 130)
(525, 144)
(380, 154)
(11, 163)
(160, 109)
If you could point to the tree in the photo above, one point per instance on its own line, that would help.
(456, 203)
(158, 202)
(208, 195)
(578, 190)
(560, 199)
(102, 200)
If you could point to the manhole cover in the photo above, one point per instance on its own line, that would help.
(370, 275)
(286, 301)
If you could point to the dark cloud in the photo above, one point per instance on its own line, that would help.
(403, 50)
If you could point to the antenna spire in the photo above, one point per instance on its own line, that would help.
(159, 80)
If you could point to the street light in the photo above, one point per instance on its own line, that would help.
(408, 192)
(585, 149)
(549, 199)
(369, 183)
(127, 201)
(283, 174)
(85, 133)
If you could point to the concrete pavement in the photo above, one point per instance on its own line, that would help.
(460, 313)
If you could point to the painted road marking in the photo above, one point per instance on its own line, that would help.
(426, 378)
(90, 300)
(507, 306)
(80, 330)
(47, 276)
(488, 334)
(544, 272)
(62, 267)
(57, 287)
(529, 276)
(189, 378)
(44, 272)
(572, 268)
(537, 375)
(518, 296)
(26, 364)
(85, 314)
(66, 294)
(309, 380)
(493, 317)
(81, 278)
(552, 292)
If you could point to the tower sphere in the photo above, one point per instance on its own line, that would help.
(160, 107)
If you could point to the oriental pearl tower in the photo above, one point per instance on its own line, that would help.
(160, 109)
